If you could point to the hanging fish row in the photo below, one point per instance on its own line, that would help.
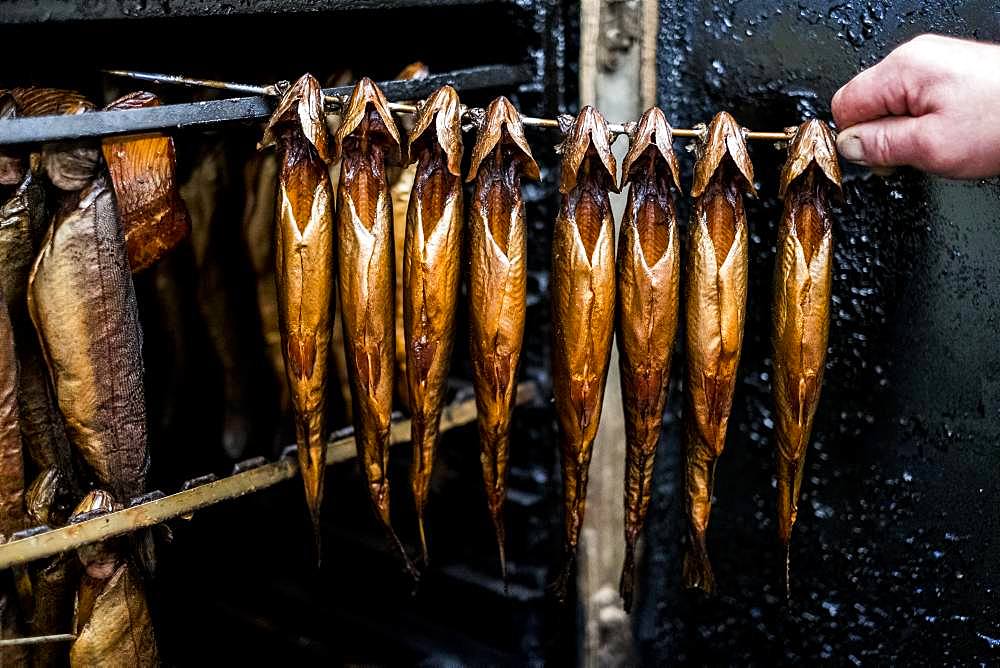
(592, 294)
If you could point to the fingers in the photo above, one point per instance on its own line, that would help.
(894, 141)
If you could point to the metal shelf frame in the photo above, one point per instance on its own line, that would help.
(247, 478)
(95, 124)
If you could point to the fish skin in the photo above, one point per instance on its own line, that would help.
(583, 301)
(22, 228)
(801, 307)
(715, 310)
(143, 174)
(12, 509)
(431, 275)
(497, 290)
(83, 305)
(400, 186)
(648, 283)
(366, 140)
(304, 271)
(54, 587)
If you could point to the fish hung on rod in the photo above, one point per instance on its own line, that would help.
(304, 273)
(497, 290)
(22, 227)
(583, 304)
(649, 263)
(142, 171)
(715, 312)
(431, 274)
(801, 306)
(366, 140)
(82, 302)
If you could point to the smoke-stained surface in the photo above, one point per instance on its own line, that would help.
(894, 552)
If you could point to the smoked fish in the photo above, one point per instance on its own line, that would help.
(583, 303)
(497, 290)
(22, 228)
(400, 188)
(142, 170)
(715, 310)
(431, 275)
(83, 305)
(113, 624)
(801, 309)
(304, 273)
(649, 267)
(366, 140)
(12, 511)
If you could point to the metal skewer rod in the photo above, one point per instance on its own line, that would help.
(335, 102)
(44, 542)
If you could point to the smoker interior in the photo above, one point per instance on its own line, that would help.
(894, 554)
(239, 582)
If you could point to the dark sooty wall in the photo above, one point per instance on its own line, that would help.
(895, 552)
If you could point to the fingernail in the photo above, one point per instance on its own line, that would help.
(850, 147)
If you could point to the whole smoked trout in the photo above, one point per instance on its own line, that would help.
(366, 139)
(583, 302)
(715, 312)
(400, 188)
(22, 228)
(649, 264)
(497, 290)
(12, 511)
(142, 171)
(81, 299)
(304, 272)
(431, 273)
(801, 309)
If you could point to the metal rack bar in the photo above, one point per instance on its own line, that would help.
(212, 112)
(60, 11)
(44, 543)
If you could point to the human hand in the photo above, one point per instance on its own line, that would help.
(933, 103)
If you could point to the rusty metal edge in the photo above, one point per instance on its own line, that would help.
(234, 486)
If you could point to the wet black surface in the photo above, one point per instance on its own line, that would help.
(894, 553)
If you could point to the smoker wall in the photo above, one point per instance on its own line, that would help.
(894, 554)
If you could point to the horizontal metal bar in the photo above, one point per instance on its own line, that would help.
(37, 640)
(185, 502)
(212, 112)
(49, 11)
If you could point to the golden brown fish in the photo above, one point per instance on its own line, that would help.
(83, 304)
(365, 141)
(400, 187)
(142, 170)
(113, 625)
(715, 311)
(304, 270)
(497, 289)
(12, 517)
(48, 101)
(431, 274)
(801, 309)
(649, 263)
(583, 304)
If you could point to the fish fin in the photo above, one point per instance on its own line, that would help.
(424, 554)
(312, 465)
(498, 527)
(626, 586)
(697, 570)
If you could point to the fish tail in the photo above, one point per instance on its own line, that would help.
(407, 562)
(498, 526)
(312, 464)
(424, 554)
(789, 486)
(420, 474)
(626, 586)
(697, 573)
(561, 585)
(493, 457)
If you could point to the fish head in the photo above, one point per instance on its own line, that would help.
(724, 140)
(651, 146)
(502, 127)
(813, 144)
(99, 559)
(442, 111)
(301, 111)
(71, 165)
(12, 160)
(588, 141)
(368, 110)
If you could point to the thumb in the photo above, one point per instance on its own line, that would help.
(890, 141)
